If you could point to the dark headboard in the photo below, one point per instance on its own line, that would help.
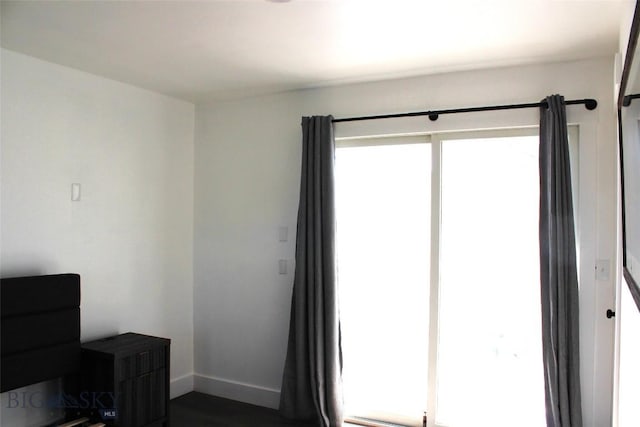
(39, 328)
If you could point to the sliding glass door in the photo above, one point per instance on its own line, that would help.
(489, 349)
(384, 204)
(438, 269)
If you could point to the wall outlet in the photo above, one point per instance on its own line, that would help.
(603, 269)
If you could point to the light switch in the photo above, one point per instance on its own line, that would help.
(283, 234)
(282, 266)
(75, 192)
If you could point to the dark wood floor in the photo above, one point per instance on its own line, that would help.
(202, 410)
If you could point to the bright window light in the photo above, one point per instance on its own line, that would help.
(628, 415)
(383, 210)
(489, 368)
(479, 363)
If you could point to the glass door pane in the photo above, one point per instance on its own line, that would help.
(383, 215)
(489, 366)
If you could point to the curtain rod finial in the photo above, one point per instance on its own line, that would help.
(590, 104)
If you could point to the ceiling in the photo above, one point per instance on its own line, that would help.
(202, 50)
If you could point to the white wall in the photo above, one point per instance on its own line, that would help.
(246, 186)
(131, 236)
(626, 20)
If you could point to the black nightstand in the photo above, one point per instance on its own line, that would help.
(131, 370)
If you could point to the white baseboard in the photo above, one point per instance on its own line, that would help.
(242, 392)
(181, 385)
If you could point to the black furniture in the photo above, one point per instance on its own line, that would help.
(134, 369)
(39, 328)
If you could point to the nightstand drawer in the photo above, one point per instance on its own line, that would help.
(142, 399)
(141, 363)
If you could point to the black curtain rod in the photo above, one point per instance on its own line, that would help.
(590, 104)
(626, 101)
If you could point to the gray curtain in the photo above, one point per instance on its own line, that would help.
(312, 382)
(558, 272)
